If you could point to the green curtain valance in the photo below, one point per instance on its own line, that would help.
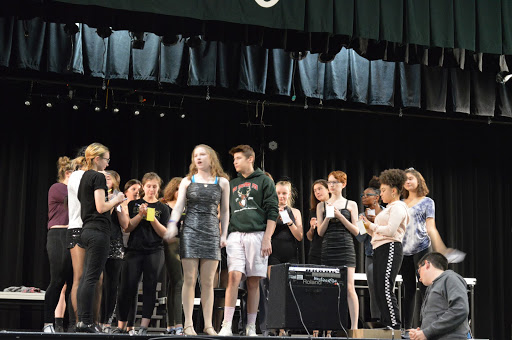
(476, 25)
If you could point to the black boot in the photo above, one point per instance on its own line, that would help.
(83, 328)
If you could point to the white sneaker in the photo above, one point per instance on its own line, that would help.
(48, 329)
(226, 329)
(250, 330)
(455, 256)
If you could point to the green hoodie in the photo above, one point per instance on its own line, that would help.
(252, 202)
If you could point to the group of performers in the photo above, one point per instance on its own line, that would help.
(103, 241)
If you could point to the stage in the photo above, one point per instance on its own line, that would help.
(78, 336)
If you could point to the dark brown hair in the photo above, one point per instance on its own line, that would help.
(438, 260)
(313, 201)
(395, 178)
(130, 183)
(246, 150)
(422, 189)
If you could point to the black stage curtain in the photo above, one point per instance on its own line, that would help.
(463, 163)
(36, 45)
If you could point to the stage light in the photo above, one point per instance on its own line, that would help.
(162, 114)
(49, 104)
(170, 40)
(71, 29)
(104, 32)
(273, 145)
(326, 57)
(75, 107)
(115, 109)
(182, 115)
(193, 42)
(503, 77)
(28, 102)
(97, 108)
(136, 112)
(138, 40)
(298, 55)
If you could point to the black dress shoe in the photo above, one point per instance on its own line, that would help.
(83, 328)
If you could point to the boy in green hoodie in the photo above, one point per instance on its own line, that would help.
(254, 209)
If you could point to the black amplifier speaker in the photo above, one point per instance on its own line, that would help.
(320, 294)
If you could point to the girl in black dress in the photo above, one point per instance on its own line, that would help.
(286, 235)
(173, 265)
(338, 244)
(319, 193)
(114, 263)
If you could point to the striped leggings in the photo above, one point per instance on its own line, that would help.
(387, 260)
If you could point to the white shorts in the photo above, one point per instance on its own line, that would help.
(244, 254)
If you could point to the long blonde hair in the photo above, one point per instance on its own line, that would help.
(94, 150)
(291, 197)
(215, 166)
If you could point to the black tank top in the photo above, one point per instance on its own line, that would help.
(282, 231)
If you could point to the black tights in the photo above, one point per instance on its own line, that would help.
(111, 277)
(409, 274)
(174, 271)
(137, 264)
(61, 271)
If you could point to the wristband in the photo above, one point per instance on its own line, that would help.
(171, 221)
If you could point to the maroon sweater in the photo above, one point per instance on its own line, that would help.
(58, 205)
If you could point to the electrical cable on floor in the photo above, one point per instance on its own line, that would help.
(298, 308)
(339, 316)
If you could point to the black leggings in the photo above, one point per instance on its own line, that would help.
(387, 259)
(409, 274)
(97, 245)
(111, 277)
(137, 264)
(61, 271)
(175, 274)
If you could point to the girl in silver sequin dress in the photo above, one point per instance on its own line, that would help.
(202, 191)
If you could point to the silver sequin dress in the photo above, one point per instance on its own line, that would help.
(201, 234)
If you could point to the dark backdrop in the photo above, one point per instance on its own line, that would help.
(463, 163)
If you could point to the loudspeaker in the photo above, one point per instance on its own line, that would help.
(323, 304)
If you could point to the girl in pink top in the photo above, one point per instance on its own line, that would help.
(387, 233)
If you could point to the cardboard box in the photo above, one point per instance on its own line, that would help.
(373, 334)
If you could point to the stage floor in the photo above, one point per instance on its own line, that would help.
(78, 336)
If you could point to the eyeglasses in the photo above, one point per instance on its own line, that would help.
(421, 265)
(333, 182)
(107, 159)
(368, 195)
